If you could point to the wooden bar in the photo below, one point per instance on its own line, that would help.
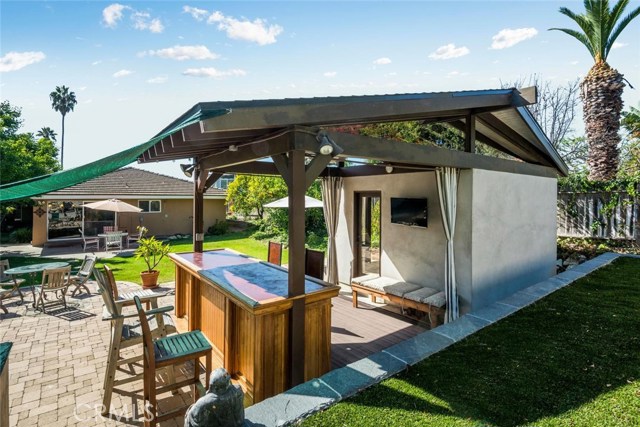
(5, 348)
(242, 307)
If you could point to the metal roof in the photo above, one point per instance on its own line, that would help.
(502, 121)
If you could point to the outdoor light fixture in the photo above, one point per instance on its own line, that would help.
(388, 168)
(326, 147)
(187, 170)
(233, 147)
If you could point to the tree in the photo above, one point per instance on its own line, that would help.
(248, 193)
(601, 89)
(63, 101)
(555, 110)
(630, 153)
(47, 133)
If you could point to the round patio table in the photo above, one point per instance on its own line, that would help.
(32, 270)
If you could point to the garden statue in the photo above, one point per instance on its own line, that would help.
(222, 405)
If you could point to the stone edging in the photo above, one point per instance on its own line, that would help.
(320, 393)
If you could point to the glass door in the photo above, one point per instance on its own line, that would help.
(367, 239)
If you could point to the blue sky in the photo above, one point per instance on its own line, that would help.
(136, 66)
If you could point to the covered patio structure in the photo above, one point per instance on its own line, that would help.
(301, 140)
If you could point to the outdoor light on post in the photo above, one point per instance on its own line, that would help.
(388, 168)
(327, 146)
(187, 170)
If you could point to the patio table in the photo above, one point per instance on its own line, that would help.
(121, 233)
(32, 270)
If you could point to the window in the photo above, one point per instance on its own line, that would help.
(223, 182)
(149, 205)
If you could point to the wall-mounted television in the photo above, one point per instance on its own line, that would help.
(407, 211)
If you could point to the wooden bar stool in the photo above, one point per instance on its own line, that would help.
(169, 351)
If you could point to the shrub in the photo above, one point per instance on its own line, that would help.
(219, 228)
(20, 235)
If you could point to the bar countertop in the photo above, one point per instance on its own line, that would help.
(252, 281)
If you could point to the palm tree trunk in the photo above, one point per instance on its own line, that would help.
(602, 105)
(62, 146)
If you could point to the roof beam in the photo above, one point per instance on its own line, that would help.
(248, 152)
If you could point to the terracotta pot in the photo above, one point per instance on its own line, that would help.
(149, 279)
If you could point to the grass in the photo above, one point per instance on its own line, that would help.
(129, 268)
(21, 261)
(572, 359)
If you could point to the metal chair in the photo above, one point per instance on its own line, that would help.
(54, 281)
(79, 279)
(314, 263)
(166, 352)
(113, 240)
(274, 256)
(88, 242)
(125, 335)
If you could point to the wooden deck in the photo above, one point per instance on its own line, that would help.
(359, 332)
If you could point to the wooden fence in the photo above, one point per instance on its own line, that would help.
(584, 215)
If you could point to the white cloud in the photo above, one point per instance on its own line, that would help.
(382, 61)
(330, 74)
(182, 53)
(122, 73)
(14, 61)
(574, 62)
(508, 37)
(197, 14)
(212, 72)
(158, 80)
(257, 31)
(449, 51)
(82, 88)
(96, 62)
(142, 21)
(456, 74)
(618, 45)
(112, 14)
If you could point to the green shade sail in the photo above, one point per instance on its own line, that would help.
(63, 179)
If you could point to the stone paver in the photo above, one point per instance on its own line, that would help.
(58, 361)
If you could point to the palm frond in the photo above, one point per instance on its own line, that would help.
(581, 37)
(621, 26)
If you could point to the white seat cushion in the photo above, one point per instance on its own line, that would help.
(390, 286)
(364, 278)
(427, 296)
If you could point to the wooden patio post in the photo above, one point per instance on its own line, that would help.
(297, 188)
(198, 207)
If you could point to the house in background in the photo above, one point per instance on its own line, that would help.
(166, 203)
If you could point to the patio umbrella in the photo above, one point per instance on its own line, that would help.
(113, 205)
(309, 202)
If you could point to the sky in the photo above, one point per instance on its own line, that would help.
(136, 66)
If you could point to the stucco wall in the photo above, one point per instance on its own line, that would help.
(39, 231)
(176, 216)
(513, 233)
(413, 254)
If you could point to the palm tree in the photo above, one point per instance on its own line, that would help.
(62, 100)
(47, 133)
(602, 87)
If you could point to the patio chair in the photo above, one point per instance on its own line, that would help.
(314, 263)
(167, 352)
(88, 242)
(79, 279)
(54, 281)
(9, 285)
(274, 256)
(109, 228)
(133, 238)
(113, 240)
(125, 335)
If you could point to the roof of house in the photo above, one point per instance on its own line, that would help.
(132, 183)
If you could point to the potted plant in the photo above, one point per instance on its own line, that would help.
(151, 251)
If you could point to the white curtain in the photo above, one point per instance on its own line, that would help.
(447, 179)
(331, 191)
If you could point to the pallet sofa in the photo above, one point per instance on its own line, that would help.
(407, 295)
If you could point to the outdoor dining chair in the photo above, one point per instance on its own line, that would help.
(113, 240)
(314, 263)
(54, 281)
(167, 352)
(9, 285)
(89, 242)
(79, 279)
(274, 255)
(125, 335)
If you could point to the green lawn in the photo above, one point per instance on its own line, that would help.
(20, 261)
(129, 268)
(572, 359)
